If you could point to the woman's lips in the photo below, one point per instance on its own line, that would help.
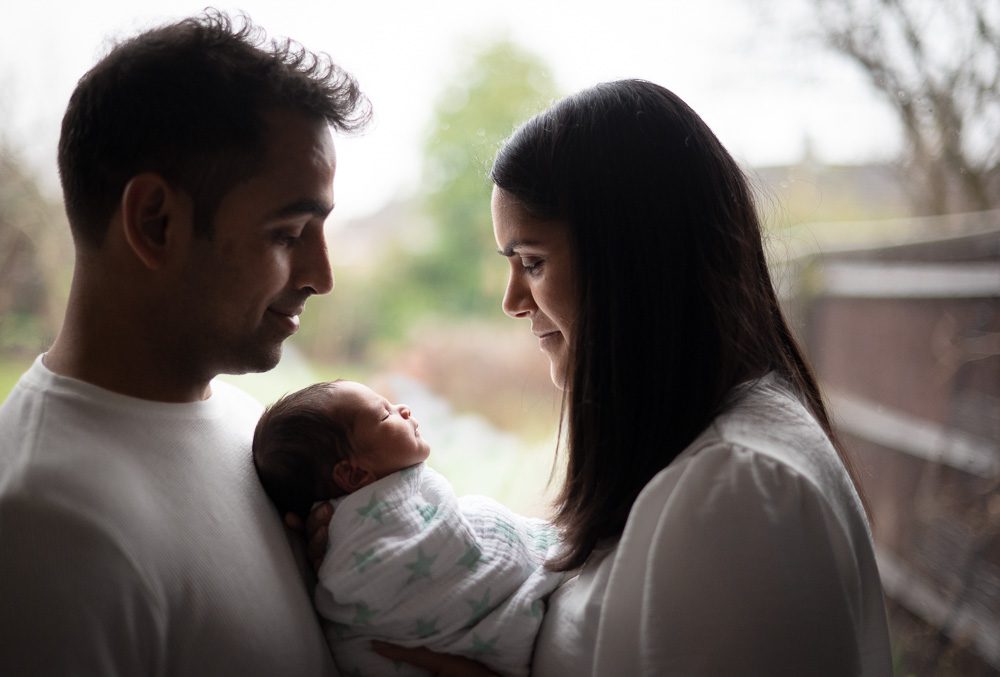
(547, 338)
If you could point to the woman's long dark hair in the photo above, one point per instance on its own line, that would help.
(675, 302)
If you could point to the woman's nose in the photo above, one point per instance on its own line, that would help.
(516, 298)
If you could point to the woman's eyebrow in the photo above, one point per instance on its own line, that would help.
(512, 248)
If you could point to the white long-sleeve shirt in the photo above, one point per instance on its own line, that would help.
(750, 554)
(135, 539)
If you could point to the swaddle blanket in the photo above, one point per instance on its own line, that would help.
(408, 563)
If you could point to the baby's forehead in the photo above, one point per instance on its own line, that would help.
(353, 400)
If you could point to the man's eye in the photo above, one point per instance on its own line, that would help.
(287, 235)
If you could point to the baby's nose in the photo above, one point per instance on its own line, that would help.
(404, 411)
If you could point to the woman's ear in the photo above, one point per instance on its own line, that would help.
(349, 477)
(148, 216)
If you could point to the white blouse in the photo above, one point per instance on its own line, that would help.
(750, 554)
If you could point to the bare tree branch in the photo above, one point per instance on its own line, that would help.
(938, 66)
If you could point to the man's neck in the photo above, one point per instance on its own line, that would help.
(110, 353)
(123, 378)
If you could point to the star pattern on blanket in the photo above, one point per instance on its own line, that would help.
(481, 647)
(427, 513)
(363, 560)
(420, 567)
(543, 538)
(480, 607)
(339, 629)
(536, 609)
(426, 628)
(505, 530)
(373, 510)
(472, 557)
(363, 614)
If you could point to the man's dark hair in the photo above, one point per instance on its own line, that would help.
(296, 445)
(187, 101)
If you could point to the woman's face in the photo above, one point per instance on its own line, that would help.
(541, 287)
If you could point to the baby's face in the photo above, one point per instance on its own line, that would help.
(385, 435)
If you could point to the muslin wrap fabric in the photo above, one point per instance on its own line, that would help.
(409, 563)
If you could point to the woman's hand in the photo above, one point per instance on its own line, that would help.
(440, 664)
(314, 530)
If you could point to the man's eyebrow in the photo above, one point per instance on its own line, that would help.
(305, 206)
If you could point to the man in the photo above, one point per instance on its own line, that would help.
(197, 166)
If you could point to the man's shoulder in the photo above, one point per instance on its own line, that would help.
(235, 398)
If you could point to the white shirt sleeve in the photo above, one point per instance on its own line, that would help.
(73, 604)
(733, 565)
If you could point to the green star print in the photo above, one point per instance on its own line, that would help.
(420, 567)
(472, 557)
(363, 560)
(481, 648)
(506, 530)
(426, 628)
(480, 607)
(363, 615)
(373, 509)
(427, 512)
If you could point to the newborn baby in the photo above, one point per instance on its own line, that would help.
(407, 561)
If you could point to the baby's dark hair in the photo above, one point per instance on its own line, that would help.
(297, 443)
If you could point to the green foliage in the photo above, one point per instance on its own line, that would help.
(11, 369)
(502, 86)
(454, 272)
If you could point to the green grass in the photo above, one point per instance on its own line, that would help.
(11, 369)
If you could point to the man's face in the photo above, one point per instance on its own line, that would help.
(246, 286)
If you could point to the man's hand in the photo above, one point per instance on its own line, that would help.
(314, 530)
(440, 664)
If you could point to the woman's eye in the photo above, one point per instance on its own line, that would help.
(531, 265)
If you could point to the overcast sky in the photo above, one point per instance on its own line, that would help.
(747, 66)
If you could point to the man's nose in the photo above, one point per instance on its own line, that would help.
(315, 273)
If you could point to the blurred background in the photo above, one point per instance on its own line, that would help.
(870, 129)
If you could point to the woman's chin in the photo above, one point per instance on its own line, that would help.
(557, 372)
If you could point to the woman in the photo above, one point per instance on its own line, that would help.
(711, 523)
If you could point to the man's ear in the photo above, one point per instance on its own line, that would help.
(349, 477)
(149, 213)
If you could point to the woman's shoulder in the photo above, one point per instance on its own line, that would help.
(765, 424)
(765, 447)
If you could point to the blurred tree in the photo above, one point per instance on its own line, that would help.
(938, 66)
(502, 86)
(431, 258)
(35, 259)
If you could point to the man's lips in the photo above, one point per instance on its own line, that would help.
(288, 312)
(288, 316)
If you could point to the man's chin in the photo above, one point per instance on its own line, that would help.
(253, 362)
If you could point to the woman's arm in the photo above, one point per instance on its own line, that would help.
(739, 568)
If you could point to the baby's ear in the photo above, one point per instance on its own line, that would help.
(350, 477)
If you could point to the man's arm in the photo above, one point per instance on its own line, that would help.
(73, 601)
